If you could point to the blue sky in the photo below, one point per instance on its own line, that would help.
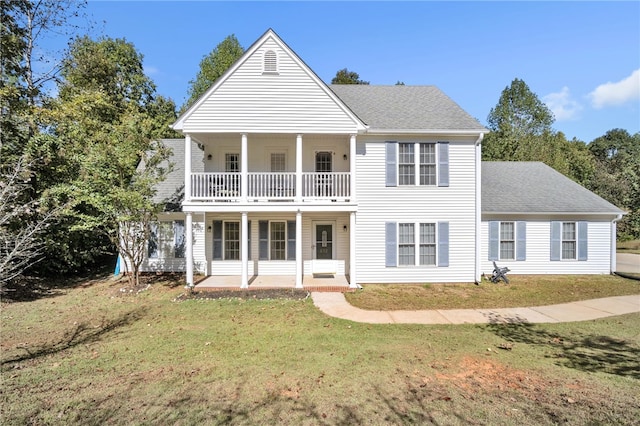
(581, 58)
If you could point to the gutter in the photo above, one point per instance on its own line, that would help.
(613, 254)
(427, 132)
(478, 201)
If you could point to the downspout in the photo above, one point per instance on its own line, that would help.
(612, 261)
(478, 212)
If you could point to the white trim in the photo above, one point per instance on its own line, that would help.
(269, 34)
(244, 250)
(244, 168)
(299, 260)
(446, 132)
(353, 276)
(189, 249)
(187, 167)
(314, 223)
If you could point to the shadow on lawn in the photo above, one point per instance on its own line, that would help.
(81, 334)
(277, 406)
(591, 353)
(30, 288)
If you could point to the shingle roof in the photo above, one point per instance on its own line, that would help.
(405, 107)
(171, 190)
(534, 187)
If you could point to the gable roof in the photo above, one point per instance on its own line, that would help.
(534, 187)
(410, 109)
(269, 37)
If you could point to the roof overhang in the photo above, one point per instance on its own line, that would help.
(568, 213)
(448, 132)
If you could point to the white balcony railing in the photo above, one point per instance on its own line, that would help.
(270, 186)
(215, 185)
(326, 185)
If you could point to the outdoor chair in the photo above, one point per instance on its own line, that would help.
(499, 274)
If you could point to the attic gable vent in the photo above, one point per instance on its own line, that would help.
(270, 62)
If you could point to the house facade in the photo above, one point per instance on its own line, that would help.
(280, 174)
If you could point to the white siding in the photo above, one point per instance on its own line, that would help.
(179, 265)
(379, 204)
(341, 240)
(260, 148)
(539, 246)
(287, 102)
(268, 267)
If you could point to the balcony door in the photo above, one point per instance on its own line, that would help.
(324, 167)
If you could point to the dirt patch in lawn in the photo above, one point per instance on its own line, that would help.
(263, 294)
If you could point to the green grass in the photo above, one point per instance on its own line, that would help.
(89, 355)
(523, 290)
(632, 246)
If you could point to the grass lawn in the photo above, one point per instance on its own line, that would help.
(523, 290)
(90, 354)
(632, 246)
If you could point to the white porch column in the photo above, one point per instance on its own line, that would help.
(189, 249)
(298, 169)
(244, 251)
(299, 261)
(187, 167)
(244, 168)
(352, 166)
(353, 276)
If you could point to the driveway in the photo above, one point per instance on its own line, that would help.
(628, 262)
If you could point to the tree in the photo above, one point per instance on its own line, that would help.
(517, 123)
(101, 126)
(45, 19)
(21, 242)
(344, 76)
(212, 66)
(617, 176)
(13, 92)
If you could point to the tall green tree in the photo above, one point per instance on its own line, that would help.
(212, 66)
(102, 124)
(13, 90)
(521, 130)
(617, 176)
(519, 124)
(344, 76)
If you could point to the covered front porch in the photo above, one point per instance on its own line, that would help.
(273, 248)
(323, 282)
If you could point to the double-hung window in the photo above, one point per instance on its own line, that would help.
(406, 164)
(417, 163)
(166, 239)
(416, 244)
(278, 241)
(231, 240)
(507, 240)
(427, 244)
(569, 240)
(406, 244)
(427, 164)
(227, 242)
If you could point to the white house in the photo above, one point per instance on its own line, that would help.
(281, 174)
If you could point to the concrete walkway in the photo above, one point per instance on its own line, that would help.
(335, 305)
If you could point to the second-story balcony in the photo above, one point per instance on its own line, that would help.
(271, 186)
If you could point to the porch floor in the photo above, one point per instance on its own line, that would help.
(337, 283)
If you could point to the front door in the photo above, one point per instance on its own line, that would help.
(323, 240)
